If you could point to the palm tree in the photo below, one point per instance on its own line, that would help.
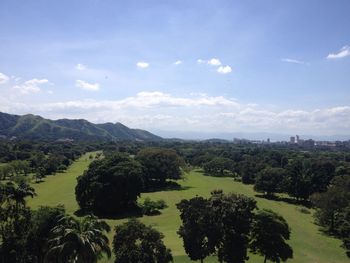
(78, 241)
(13, 193)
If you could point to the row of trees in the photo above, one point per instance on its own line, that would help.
(227, 225)
(112, 185)
(299, 179)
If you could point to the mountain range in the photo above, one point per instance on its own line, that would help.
(31, 126)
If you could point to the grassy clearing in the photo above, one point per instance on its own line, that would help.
(59, 189)
(309, 244)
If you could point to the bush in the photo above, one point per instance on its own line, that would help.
(150, 207)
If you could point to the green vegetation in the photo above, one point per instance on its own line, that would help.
(308, 242)
(136, 242)
(110, 186)
(35, 127)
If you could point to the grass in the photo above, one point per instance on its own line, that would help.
(308, 243)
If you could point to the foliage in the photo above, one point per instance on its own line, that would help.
(136, 242)
(160, 164)
(219, 166)
(15, 221)
(270, 180)
(43, 220)
(234, 215)
(110, 185)
(333, 211)
(150, 207)
(269, 234)
(80, 241)
(217, 225)
(198, 232)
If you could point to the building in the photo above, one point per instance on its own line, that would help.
(292, 139)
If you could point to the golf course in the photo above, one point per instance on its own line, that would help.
(308, 242)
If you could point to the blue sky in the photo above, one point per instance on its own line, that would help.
(242, 66)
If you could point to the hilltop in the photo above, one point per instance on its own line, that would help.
(31, 126)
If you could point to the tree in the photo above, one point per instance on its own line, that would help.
(333, 209)
(270, 180)
(15, 221)
(110, 185)
(43, 220)
(80, 241)
(234, 215)
(18, 193)
(269, 234)
(136, 242)
(219, 166)
(298, 183)
(160, 164)
(198, 232)
(321, 173)
(248, 169)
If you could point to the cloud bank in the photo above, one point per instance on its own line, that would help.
(197, 112)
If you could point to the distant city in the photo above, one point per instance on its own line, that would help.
(297, 141)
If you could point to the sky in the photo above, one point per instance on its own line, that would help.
(180, 66)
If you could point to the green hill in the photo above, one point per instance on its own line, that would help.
(35, 127)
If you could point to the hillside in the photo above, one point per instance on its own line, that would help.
(35, 127)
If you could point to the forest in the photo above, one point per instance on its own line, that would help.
(114, 194)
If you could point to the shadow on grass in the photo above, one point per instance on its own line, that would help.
(288, 200)
(137, 213)
(39, 181)
(167, 186)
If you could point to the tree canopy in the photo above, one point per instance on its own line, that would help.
(269, 234)
(138, 243)
(160, 164)
(110, 185)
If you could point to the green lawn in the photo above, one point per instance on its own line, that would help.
(309, 244)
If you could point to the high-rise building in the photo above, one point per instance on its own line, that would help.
(292, 139)
(297, 139)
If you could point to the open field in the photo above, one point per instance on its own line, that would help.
(309, 244)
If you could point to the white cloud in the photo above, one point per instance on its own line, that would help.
(80, 67)
(178, 62)
(142, 64)
(342, 53)
(224, 69)
(214, 62)
(86, 85)
(290, 60)
(3, 78)
(201, 61)
(31, 86)
(197, 112)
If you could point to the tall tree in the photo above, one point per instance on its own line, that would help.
(78, 241)
(160, 164)
(43, 220)
(269, 180)
(15, 221)
(110, 185)
(198, 231)
(136, 242)
(234, 215)
(269, 234)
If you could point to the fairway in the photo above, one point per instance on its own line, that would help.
(308, 243)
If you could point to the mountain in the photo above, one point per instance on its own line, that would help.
(35, 127)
